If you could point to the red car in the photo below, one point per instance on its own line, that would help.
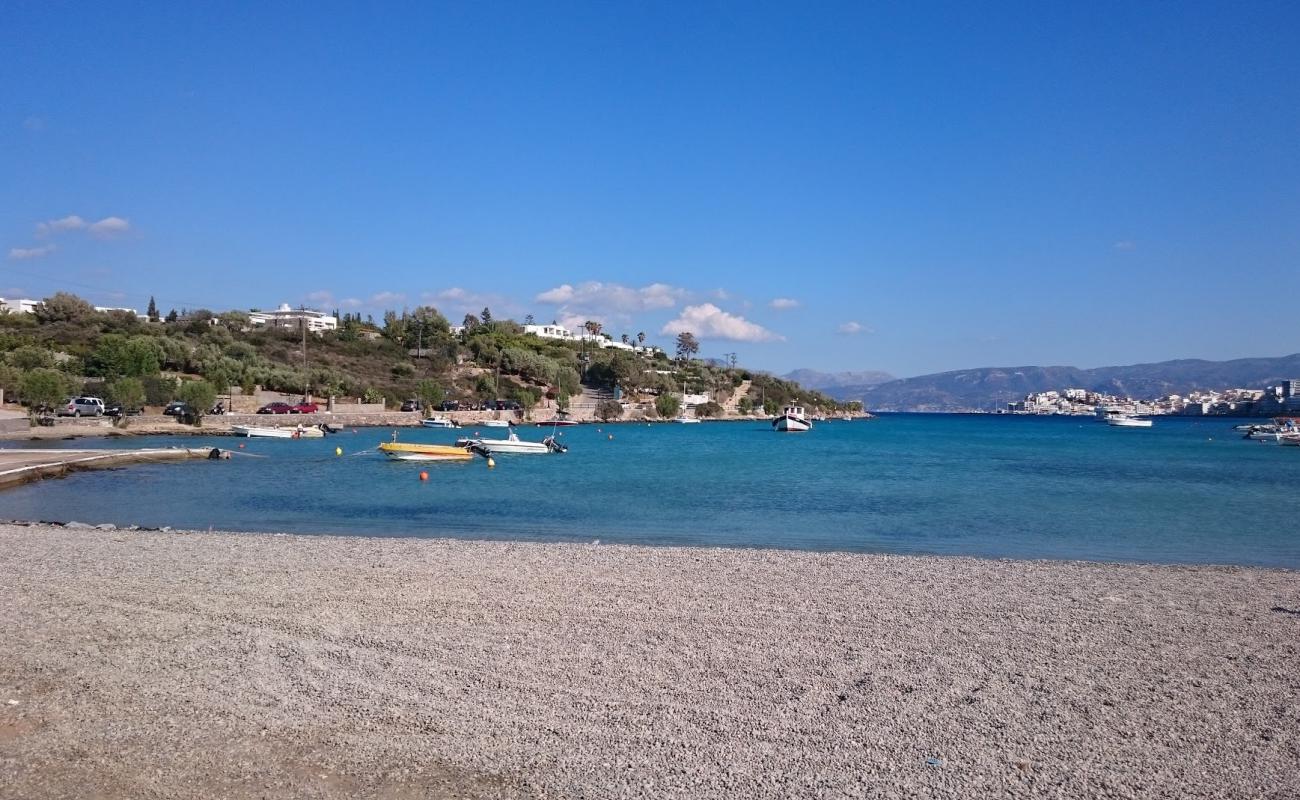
(305, 408)
(277, 408)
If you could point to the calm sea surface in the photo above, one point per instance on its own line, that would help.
(1185, 490)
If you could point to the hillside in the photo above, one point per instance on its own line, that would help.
(987, 388)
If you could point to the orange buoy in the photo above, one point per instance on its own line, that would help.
(241, 447)
(424, 476)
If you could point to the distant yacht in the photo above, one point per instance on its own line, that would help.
(1126, 421)
(792, 420)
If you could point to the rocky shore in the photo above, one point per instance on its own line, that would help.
(152, 664)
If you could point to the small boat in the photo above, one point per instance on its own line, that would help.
(411, 451)
(684, 420)
(560, 420)
(439, 422)
(257, 431)
(791, 420)
(1127, 421)
(494, 423)
(511, 446)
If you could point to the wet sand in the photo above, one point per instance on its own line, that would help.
(146, 664)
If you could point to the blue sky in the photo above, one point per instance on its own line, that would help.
(906, 187)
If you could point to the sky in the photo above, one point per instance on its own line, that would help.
(907, 187)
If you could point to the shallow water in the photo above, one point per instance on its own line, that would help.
(1184, 491)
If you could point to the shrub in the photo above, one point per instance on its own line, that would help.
(609, 409)
(709, 409)
(667, 406)
(44, 388)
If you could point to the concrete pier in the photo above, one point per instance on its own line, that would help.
(19, 466)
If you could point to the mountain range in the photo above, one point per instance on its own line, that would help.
(824, 381)
(989, 388)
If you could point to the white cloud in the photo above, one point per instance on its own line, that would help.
(853, 328)
(106, 228)
(598, 297)
(321, 297)
(1125, 244)
(386, 299)
(457, 301)
(783, 303)
(23, 253)
(72, 222)
(109, 227)
(707, 321)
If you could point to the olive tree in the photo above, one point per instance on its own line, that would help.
(44, 388)
(609, 409)
(199, 395)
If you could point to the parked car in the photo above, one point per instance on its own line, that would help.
(178, 409)
(116, 410)
(305, 408)
(450, 405)
(414, 405)
(505, 405)
(276, 408)
(81, 407)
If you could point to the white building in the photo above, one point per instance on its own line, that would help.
(18, 306)
(551, 331)
(106, 309)
(285, 317)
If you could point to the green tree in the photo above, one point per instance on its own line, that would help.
(687, 346)
(667, 405)
(44, 388)
(562, 400)
(62, 307)
(609, 409)
(127, 392)
(430, 394)
(709, 409)
(31, 357)
(486, 316)
(200, 395)
(152, 313)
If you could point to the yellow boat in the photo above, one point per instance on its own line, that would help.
(405, 451)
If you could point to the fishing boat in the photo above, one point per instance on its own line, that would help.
(439, 422)
(413, 451)
(1119, 420)
(792, 420)
(511, 446)
(263, 432)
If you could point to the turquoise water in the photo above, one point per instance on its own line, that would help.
(1186, 490)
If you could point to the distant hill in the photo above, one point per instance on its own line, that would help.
(823, 381)
(988, 388)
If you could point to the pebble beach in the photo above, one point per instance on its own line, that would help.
(168, 664)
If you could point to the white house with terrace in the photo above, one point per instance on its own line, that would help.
(294, 318)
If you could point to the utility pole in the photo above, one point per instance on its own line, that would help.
(306, 380)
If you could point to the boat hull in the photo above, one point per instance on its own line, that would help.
(789, 424)
(506, 447)
(258, 432)
(406, 451)
(438, 422)
(494, 423)
(1125, 422)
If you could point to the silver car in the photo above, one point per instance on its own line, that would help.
(82, 407)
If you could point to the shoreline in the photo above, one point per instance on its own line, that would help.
(252, 665)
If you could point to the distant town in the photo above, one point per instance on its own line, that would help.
(1282, 399)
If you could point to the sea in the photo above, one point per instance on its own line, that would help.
(1187, 490)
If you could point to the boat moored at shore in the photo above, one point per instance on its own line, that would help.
(266, 432)
(413, 451)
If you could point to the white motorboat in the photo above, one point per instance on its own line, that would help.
(1127, 421)
(494, 423)
(262, 432)
(439, 422)
(792, 420)
(684, 420)
(512, 446)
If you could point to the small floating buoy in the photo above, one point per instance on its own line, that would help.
(491, 462)
(338, 451)
(611, 437)
(424, 476)
(241, 446)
